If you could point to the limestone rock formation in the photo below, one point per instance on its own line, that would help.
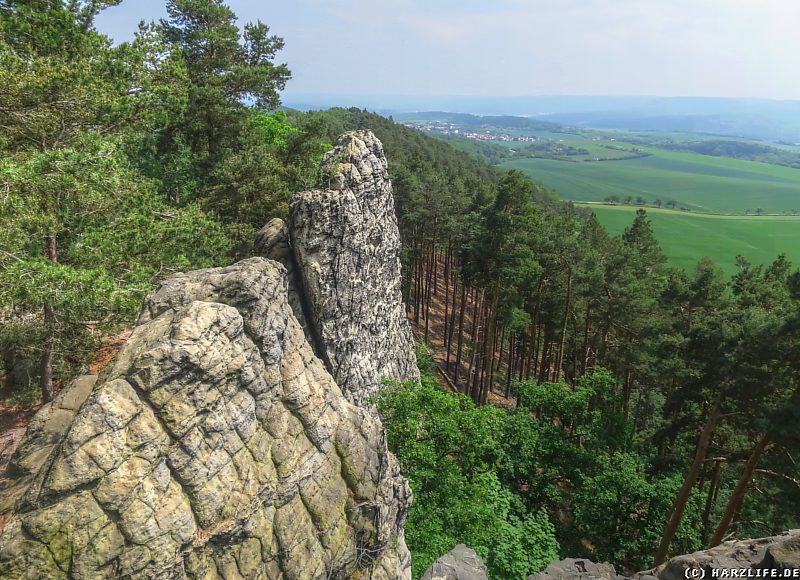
(216, 445)
(342, 246)
(460, 563)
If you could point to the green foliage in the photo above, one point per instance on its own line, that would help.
(59, 77)
(524, 545)
(449, 450)
(107, 173)
(225, 68)
(273, 129)
(619, 511)
(589, 412)
(254, 183)
(108, 247)
(123, 164)
(489, 477)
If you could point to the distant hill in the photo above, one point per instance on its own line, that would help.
(469, 121)
(751, 118)
(769, 125)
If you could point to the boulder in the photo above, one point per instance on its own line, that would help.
(577, 569)
(734, 554)
(460, 563)
(775, 552)
(784, 554)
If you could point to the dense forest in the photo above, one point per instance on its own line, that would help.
(579, 395)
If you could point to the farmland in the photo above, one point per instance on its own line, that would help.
(727, 204)
(696, 182)
(686, 237)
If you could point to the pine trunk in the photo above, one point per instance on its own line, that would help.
(563, 342)
(585, 354)
(686, 489)
(711, 498)
(418, 279)
(512, 342)
(451, 326)
(523, 352)
(473, 370)
(460, 345)
(626, 393)
(431, 281)
(545, 359)
(737, 498)
(46, 362)
(446, 301)
(435, 261)
(483, 353)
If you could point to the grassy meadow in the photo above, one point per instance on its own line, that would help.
(686, 237)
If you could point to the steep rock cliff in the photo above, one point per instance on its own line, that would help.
(341, 246)
(216, 445)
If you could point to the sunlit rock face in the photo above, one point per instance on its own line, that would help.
(341, 245)
(216, 445)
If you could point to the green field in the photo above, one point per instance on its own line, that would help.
(686, 237)
(697, 182)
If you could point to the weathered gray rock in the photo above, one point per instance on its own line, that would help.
(775, 552)
(460, 563)
(729, 555)
(272, 242)
(216, 445)
(342, 246)
(577, 569)
(784, 554)
(44, 432)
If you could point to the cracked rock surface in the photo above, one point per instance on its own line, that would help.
(342, 247)
(216, 445)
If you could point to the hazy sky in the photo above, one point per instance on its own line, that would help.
(727, 48)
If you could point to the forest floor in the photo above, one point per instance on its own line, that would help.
(438, 347)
